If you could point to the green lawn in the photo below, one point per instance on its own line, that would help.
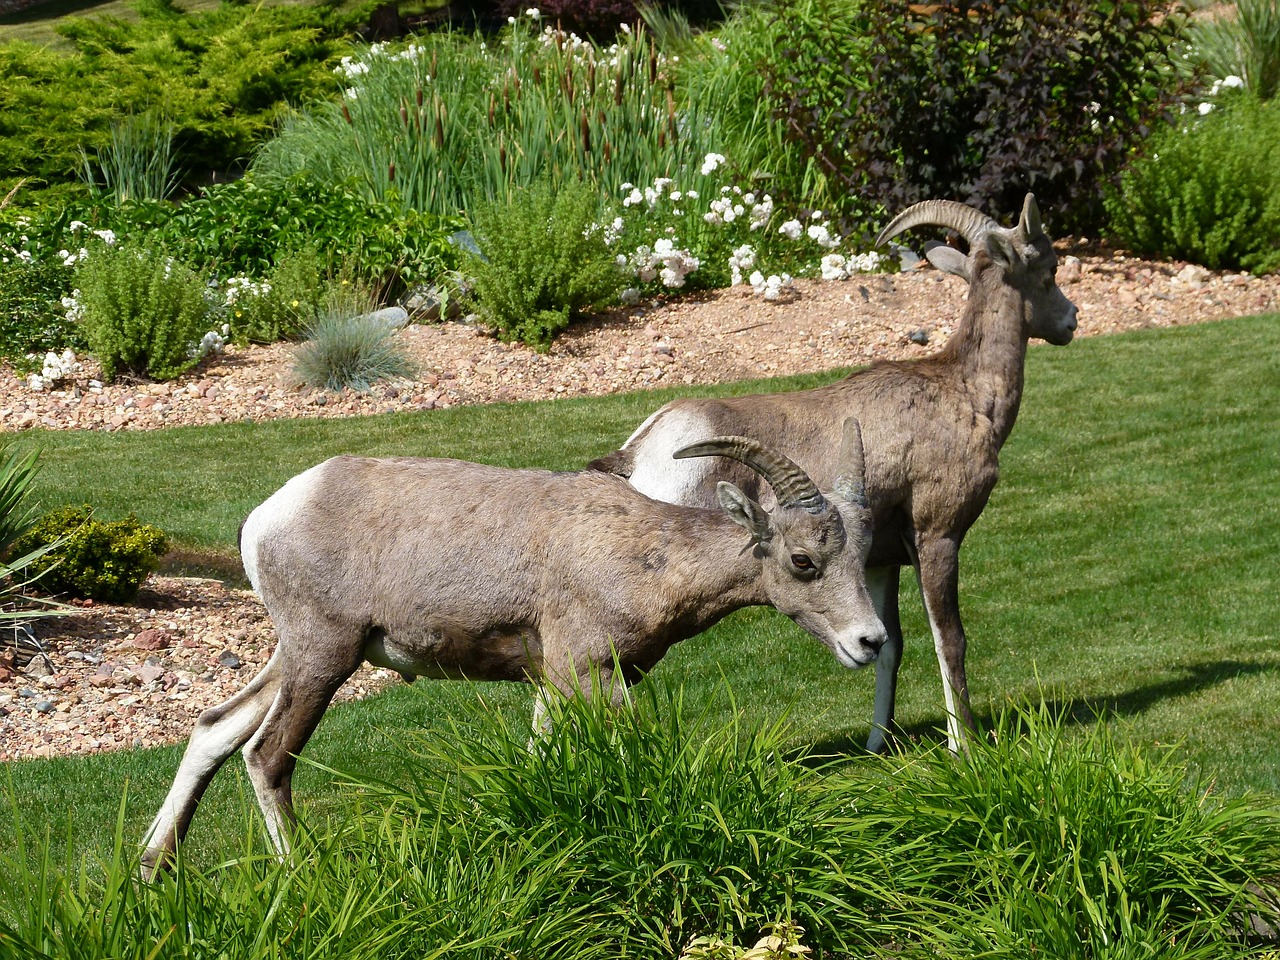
(1125, 565)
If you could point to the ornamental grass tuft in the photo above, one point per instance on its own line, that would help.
(346, 347)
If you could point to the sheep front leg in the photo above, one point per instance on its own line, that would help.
(882, 584)
(938, 570)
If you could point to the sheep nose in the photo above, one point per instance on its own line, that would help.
(874, 641)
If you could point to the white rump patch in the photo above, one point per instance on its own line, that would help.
(275, 513)
(655, 473)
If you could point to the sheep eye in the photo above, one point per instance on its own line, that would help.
(801, 561)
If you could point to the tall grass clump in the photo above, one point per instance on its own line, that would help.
(346, 347)
(143, 313)
(450, 121)
(678, 826)
(1048, 840)
(1244, 43)
(544, 259)
(1206, 190)
(138, 164)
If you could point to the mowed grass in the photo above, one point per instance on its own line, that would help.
(1125, 567)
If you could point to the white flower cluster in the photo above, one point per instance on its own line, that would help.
(1226, 83)
(711, 162)
(56, 367)
(215, 341)
(238, 287)
(838, 267)
(733, 204)
(664, 260)
(352, 68)
(74, 309)
(770, 287)
(652, 196)
(742, 259)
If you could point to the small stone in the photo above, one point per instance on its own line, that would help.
(44, 706)
(229, 659)
(152, 639)
(919, 336)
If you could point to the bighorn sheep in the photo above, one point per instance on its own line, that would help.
(933, 429)
(442, 568)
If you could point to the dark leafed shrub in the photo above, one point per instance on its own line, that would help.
(99, 560)
(1206, 190)
(981, 102)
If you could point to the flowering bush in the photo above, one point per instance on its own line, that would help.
(716, 234)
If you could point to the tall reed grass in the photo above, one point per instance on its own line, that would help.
(453, 121)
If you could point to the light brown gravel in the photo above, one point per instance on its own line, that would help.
(123, 677)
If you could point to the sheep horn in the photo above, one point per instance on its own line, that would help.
(963, 219)
(1029, 225)
(851, 483)
(791, 485)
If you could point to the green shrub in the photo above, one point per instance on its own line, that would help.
(98, 560)
(17, 476)
(983, 102)
(346, 348)
(223, 75)
(247, 227)
(143, 312)
(545, 260)
(37, 254)
(1207, 190)
(279, 307)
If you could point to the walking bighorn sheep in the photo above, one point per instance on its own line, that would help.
(933, 429)
(442, 568)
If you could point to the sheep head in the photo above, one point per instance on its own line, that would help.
(812, 546)
(1023, 253)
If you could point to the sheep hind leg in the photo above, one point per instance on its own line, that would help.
(272, 754)
(882, 583)
(219, 732)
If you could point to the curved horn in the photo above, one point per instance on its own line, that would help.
(791, 485)
(851, 482)
(963, 219)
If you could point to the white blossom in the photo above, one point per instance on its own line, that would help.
(711, 162)
(791, 229)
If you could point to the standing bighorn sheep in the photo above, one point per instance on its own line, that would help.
(933, 429)
(442, 568)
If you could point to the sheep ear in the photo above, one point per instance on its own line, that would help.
(744, 511)
(947, 259)
(1001, 248)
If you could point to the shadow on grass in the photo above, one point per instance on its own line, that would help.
(1078, 711)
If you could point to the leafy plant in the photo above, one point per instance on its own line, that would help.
(982, 103)
(280, 307)
(348, 348)
(1243, 42)
(545, 260)
(144, 313)
(91, 558)
(1205, 190)
(17, 476)
(252, 225)
(36, 262)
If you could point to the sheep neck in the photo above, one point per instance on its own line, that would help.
(712, 571)
(989, 351)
